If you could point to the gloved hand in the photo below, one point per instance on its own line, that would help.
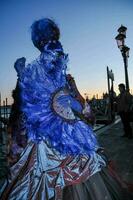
(19, 65)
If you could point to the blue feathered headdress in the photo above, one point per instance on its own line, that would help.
(43, 31)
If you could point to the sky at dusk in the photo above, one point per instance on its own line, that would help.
(88, 29)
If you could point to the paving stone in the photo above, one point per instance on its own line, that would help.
(119, 150)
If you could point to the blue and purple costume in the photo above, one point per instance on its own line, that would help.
(62, 149)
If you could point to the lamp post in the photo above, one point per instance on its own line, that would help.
(120, 38)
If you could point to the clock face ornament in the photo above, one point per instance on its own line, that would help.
(62, 105)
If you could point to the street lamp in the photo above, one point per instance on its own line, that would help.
(120, 38)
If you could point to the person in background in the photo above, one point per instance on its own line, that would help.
(124, 102)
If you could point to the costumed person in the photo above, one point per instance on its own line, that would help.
(124, 102)
(16, 128)
(86, 111)
(62, 159)
(74, 90)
